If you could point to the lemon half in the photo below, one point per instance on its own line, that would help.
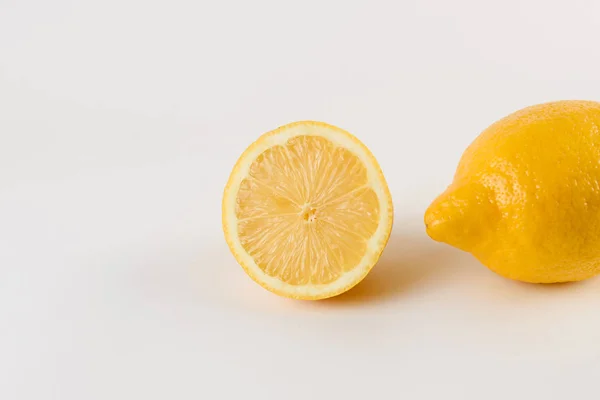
(307, 211)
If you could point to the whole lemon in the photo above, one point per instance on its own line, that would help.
(525, 199)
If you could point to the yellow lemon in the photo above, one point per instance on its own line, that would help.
(307, 211)
(525, 199)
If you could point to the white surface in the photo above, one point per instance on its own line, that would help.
(119, 123)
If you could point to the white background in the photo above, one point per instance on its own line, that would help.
(120, 121)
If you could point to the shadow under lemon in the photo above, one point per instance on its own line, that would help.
(410, 260)
(414, 261)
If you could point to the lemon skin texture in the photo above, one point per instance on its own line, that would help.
(525, 199)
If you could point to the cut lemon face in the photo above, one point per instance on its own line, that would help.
(307, 211)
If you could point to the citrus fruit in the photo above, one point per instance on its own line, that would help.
(525, 199)
(307, 211)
